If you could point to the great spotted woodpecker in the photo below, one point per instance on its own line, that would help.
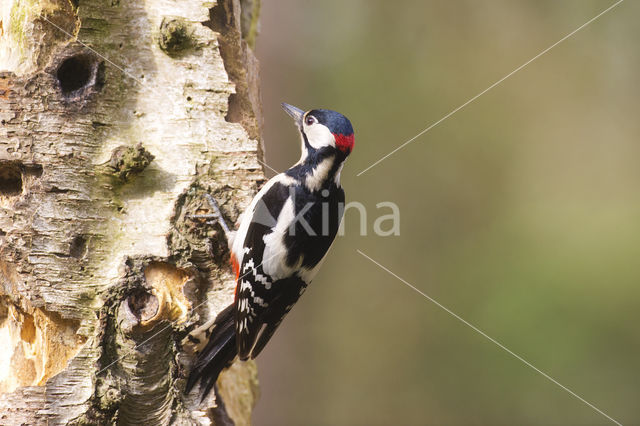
(279, 246)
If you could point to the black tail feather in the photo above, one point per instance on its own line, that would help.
(217, 355)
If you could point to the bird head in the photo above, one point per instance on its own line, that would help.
(322, 131)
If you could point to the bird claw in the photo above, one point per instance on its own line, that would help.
(216, 215)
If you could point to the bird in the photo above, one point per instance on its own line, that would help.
(279, 246)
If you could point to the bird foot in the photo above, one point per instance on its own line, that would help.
(214, 217)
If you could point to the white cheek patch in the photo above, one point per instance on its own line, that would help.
(319, 136)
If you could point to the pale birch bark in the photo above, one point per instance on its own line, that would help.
(103, 153)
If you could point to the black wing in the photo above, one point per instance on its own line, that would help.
(262, 313)
(253, 289)
(262, 303)
(289, 291)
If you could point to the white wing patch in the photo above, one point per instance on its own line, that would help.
(274, 259)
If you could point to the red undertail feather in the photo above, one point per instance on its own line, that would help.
(236, 270)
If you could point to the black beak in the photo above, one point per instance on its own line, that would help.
(295, 113)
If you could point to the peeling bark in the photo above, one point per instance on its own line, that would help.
(115, 118)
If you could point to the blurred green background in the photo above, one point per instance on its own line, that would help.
(520, 213)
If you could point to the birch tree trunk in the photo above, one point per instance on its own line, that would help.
(116, 117)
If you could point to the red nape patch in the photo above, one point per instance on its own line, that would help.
(344, 142)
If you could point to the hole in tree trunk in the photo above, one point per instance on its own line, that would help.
(143, 305)
(10, 178)
(78, 247)
(74, 73)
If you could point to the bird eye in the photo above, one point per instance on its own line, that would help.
(310, 119)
